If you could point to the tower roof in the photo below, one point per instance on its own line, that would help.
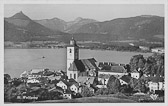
(73, 42)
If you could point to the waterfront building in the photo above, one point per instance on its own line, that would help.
(158, 50)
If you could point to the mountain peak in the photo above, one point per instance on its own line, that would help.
(20, 15)
(78, 19)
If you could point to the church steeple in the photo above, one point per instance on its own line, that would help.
(73, 42)
(72, 55)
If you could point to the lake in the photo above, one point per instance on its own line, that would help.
(18, 60)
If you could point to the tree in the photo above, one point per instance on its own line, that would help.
(113, 84)
(6, 78)
(128, 68)
(136, 62)
(155, 65)
(141, 86)
(102, 91)
(85, 92)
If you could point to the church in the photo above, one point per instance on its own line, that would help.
(79, 67)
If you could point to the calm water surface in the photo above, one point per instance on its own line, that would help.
(19, 60)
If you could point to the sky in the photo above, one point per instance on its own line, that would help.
(69, 12)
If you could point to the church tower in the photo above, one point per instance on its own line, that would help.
(72, 55)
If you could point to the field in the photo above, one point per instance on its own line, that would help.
(94, 99)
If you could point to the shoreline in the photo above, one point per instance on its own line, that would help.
(87, 49)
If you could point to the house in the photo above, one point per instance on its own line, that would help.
(156, 83)
(36, 70)
(88, 81)
(158, 50)
(103, 78)
(75, 87)
(113, 70)
(135, 74)
(101, 86)
(63, 84)
(34, 75)
(144, 48)
(67, 95)
(53, 87)
(103, 64)
(54, 77)
(33, 81)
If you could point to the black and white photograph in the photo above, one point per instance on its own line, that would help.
(84, 53)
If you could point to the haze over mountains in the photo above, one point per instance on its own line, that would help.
(20, 27)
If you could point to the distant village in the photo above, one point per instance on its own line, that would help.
(87, 78)
(140, 46)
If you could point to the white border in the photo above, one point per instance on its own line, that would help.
(2, 2)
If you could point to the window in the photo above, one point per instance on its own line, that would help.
(70, 50)
(74, 76)
(70, 75)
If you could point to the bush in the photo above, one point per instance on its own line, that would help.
(85, 92)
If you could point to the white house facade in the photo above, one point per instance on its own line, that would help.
(74, 88)
(62, 85)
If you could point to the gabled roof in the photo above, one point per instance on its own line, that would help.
(156, 79)
(126, 78)
(65, 82)
(48, 73)
(104, 76)
(135, 71)
(86, 80)
(83, 64)
(103, 64)
(76, 84)
(77, 65)
(119, 69)
(116, 69)
(89, 63)
(69, 82)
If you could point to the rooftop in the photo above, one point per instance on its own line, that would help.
(126, 78)
(83, 64)
(116, 69)
(86, 80)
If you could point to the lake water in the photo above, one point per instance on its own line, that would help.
(18, 60)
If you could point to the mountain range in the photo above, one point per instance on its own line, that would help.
(20, 27)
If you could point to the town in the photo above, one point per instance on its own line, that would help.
(142, 80)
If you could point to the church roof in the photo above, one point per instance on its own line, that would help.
(77, 65)
(83, 64)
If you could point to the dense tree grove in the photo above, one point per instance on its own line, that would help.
(153, 65)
